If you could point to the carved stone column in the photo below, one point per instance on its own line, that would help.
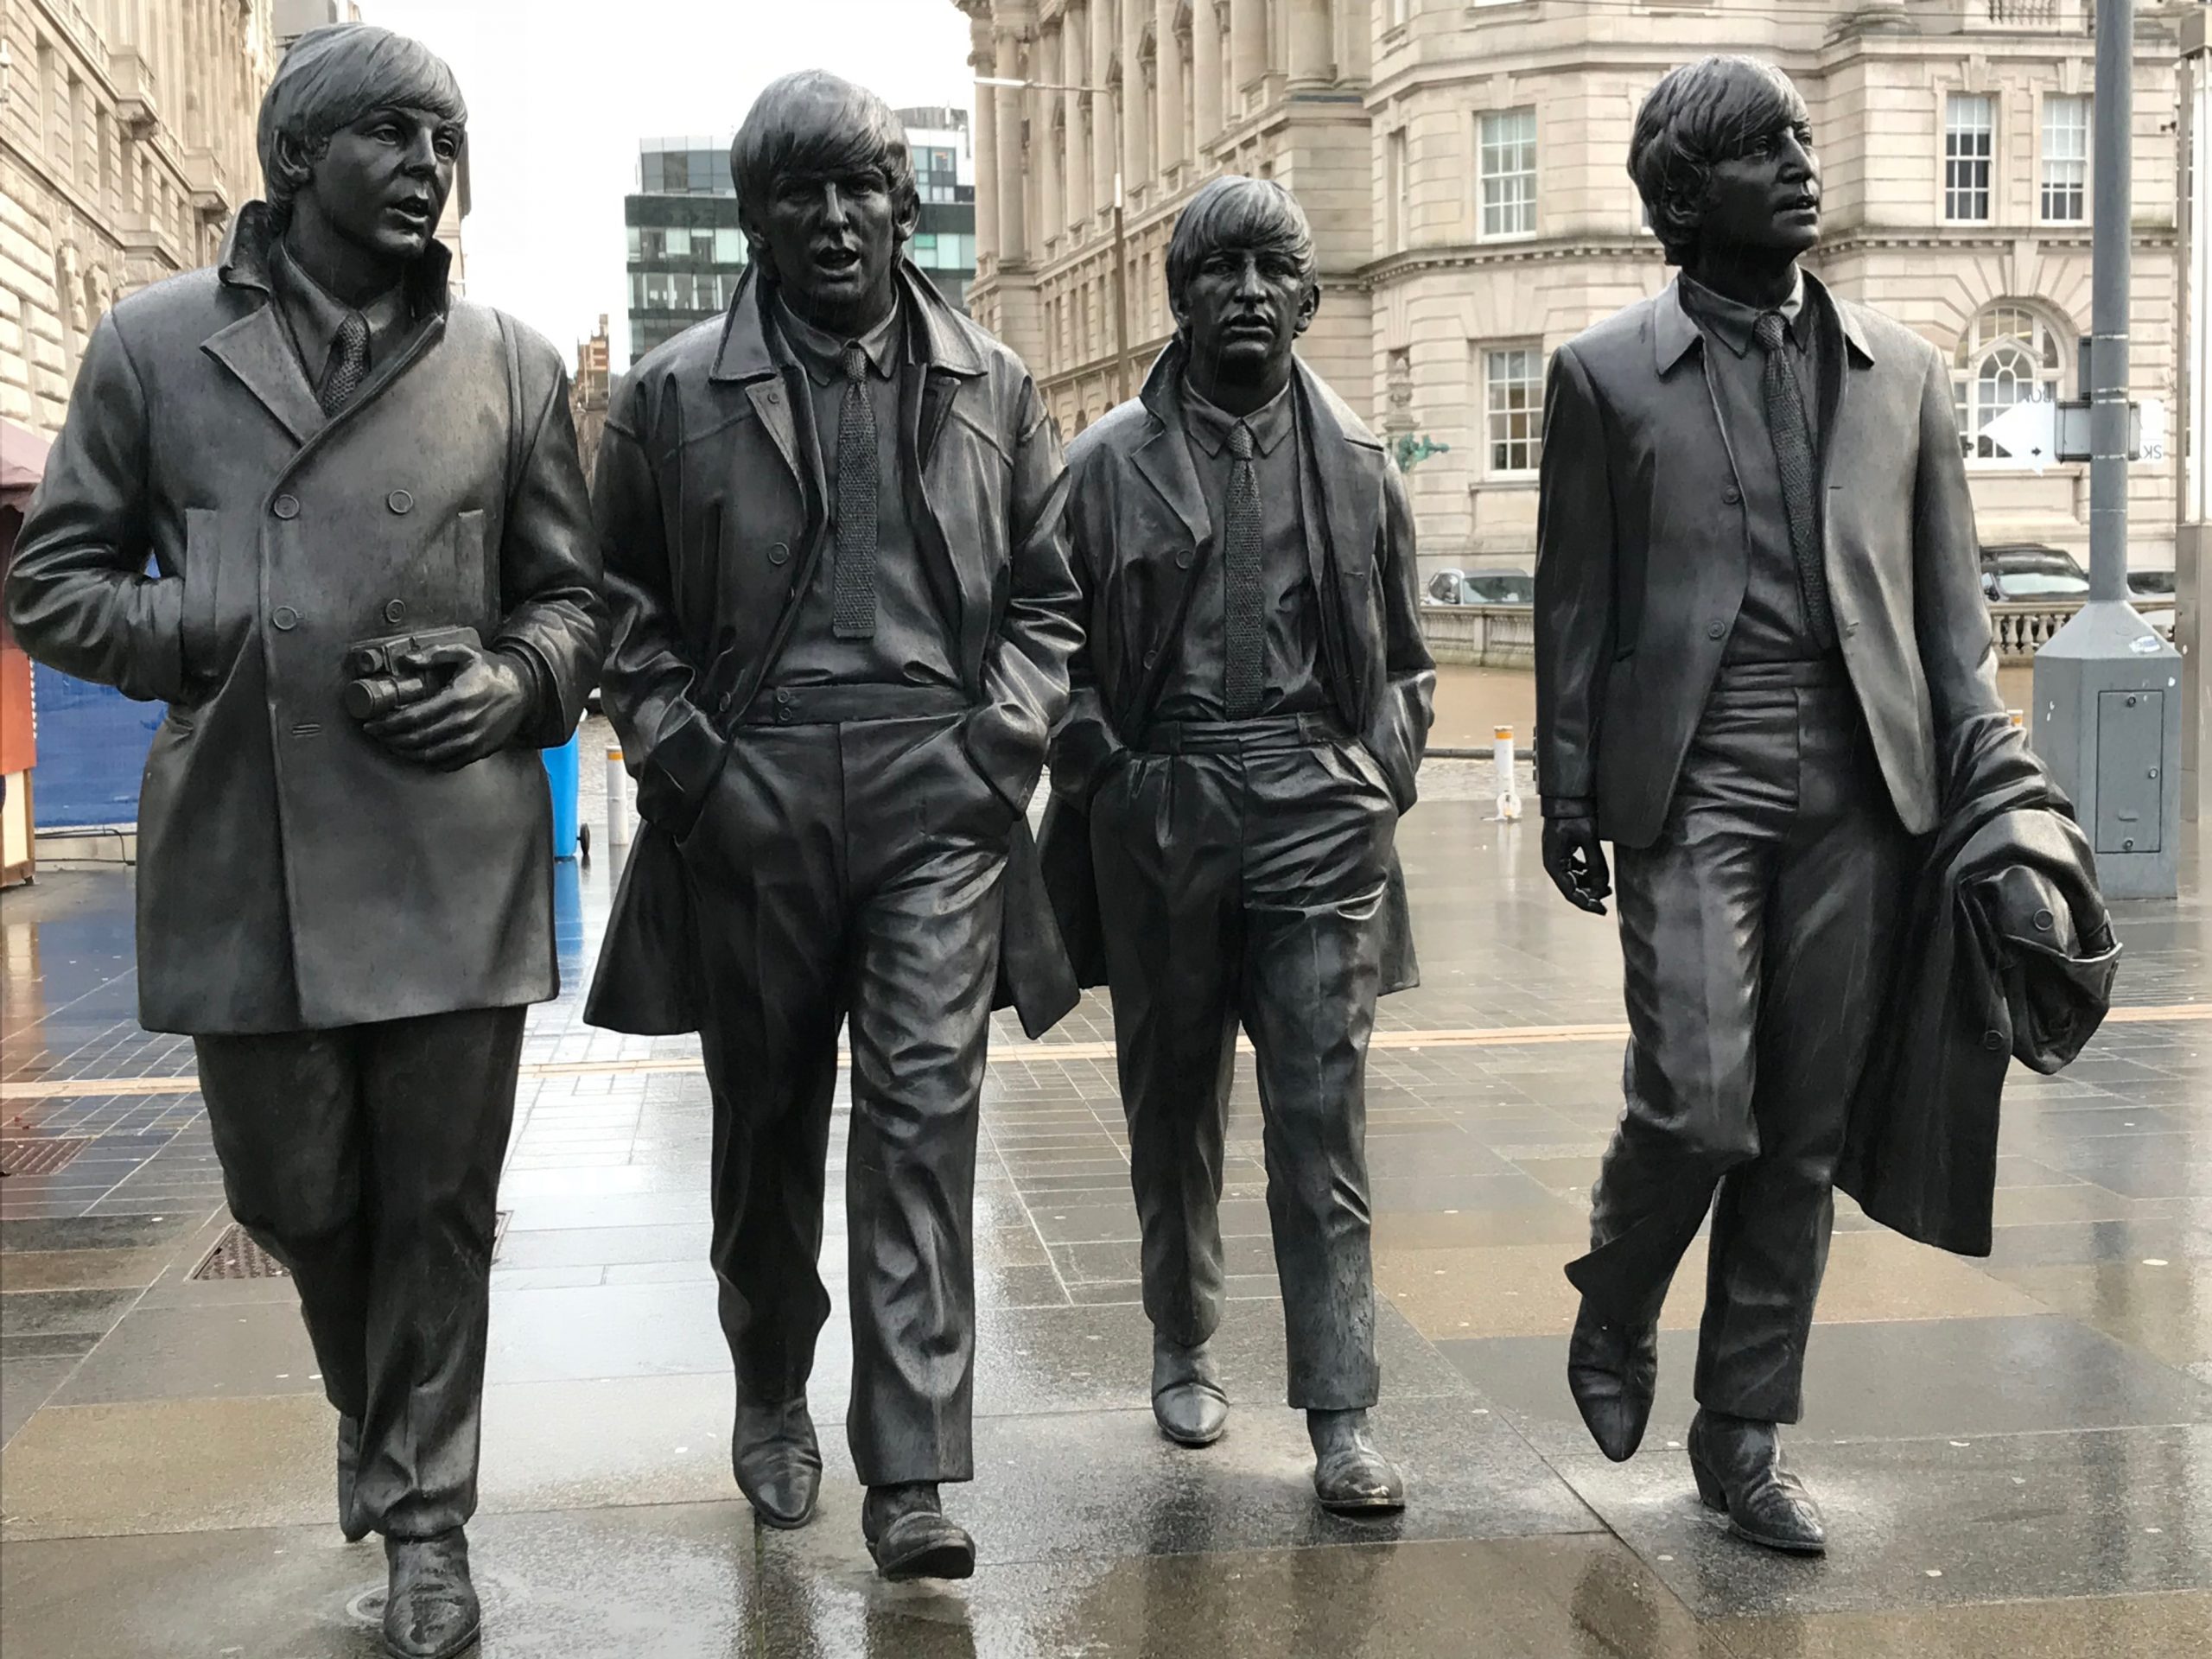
(1172, 145)
(1051, 154)
(1105, 137)
(987, 142)
(1136, 134)
(1248, 42)
(1075, 70)
(1206, 73)
(1014, 217)
(1312, 43)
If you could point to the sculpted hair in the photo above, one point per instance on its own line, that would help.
(330, 79)
(814, 122)
(1702, 114)
(1233, 212)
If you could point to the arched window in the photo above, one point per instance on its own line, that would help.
(2011, 355)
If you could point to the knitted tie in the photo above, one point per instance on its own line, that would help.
(348, 365)
(1793, 459)
(1245, 623)
(854, 615)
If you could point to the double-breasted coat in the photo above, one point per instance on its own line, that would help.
(712, 528)
(1142, 535)
(205, 536)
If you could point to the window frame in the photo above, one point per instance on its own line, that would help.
(1521, 409)
(2043, 345)
(1957, 163)
(1523, 206)
(2046, 160)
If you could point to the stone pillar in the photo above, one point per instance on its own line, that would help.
(1050, 213)
(986, 151)
(1312, 43)
(1075, 57)
(1136, 136)
(1174, 143)
(1205, 71)
(1105, 139)
(1014, 220)
(1248, 42)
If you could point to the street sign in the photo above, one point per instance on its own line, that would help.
(2028, 432)
(2037, 431)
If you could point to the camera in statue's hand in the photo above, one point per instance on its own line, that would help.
(384, 674)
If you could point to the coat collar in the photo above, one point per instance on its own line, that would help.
(1673, 331)
(935, 337)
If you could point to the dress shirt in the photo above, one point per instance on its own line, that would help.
(312, 315)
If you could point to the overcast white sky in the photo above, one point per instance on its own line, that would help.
(559, 92)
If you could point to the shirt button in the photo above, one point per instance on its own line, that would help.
(395, 610)
(1716, 631)
(285, 507)
(1993, 1040)
(285, 618)
(1732, 497)
(783, 697)
(400, 501)
(778, 552)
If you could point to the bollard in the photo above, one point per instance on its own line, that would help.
(617, 799)
(1508, 797)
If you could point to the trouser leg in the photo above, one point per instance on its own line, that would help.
(1693, 933)
(928, 850)
(1830, 939)
(285, 1115)
(1316, 863)
(769, 901)
(438, 1095)
(1164, 844)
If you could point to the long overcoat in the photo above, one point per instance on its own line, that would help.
(1142, 536)
(712, 524)
(294, 874)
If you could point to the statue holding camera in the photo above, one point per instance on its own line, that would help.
(374, 596)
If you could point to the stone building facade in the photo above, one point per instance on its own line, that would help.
(126, 144)
(1463, 162)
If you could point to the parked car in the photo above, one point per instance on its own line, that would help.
(2151, 584)
(1482, 587)
(2028, 570)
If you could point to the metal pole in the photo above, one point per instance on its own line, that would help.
(1121, 302)
(2108, 423)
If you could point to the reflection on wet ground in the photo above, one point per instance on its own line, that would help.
(2016, 1454)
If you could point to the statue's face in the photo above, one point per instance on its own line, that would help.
(1767, 199)
(383, 183)
(1245, 307)
(833, 240)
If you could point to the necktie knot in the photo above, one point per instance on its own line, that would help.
(855, 361)
(1769, 330)
(1241, 443)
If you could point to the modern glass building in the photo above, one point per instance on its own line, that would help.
(686, 250)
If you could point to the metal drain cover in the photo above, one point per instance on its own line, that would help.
(237, 1256)
(43, 1155)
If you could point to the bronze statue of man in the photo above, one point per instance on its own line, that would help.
(832, 524)
(1764, 671)
(1249, 711)
(374, 597)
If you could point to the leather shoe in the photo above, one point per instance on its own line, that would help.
(778, 1461)
(1349, 1476)
(1737, 1463)
(430, 1612)
(1612, 1370)
(910, 1537)
(350, 1520)
(1187, 1402)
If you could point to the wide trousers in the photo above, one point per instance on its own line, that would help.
(1758, 931)
(852, 872)
(1241, 878)
(367, 1160)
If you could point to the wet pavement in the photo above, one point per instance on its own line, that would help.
(2015, 1454)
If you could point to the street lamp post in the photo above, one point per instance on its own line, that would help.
(1121, 240)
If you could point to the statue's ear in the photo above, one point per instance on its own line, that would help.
(1308, 306)
(293, 162)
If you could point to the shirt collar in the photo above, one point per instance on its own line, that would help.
(315, 315)
(1731, 321)
(1270, 423)
(822, 355)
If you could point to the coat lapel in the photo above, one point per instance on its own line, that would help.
(257, 350)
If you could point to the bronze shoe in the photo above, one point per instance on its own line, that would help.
(430, 1612)
(910, 1537)
(1612, 1370)
(1351, 1476)
(1187, 1402)
(1737, 1463)
(778, 1461)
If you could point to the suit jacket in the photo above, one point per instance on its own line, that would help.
(712, 525)
(293, 872)
(1141, 533)
(2008, 955)
(1644, 550)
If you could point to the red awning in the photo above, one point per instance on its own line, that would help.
(22, 463)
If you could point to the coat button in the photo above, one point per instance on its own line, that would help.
(778, 552)
(285, 507)
(1150, 658)
(395, 610)
(1732, 497)
(783, 697)
(1716, 631)
(2045, 921)
(1182, 558)
(1993, 1040)
(722, 702)
(400, 501)
(285, 619)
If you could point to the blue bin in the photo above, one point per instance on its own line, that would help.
(563, 772)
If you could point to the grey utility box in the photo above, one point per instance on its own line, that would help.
(2107, 724)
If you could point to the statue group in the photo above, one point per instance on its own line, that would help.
(847, 600)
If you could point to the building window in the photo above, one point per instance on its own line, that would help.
(2065, 158)
(1397, 184)
(2010, 356)
(1513, 409)
(1969, 141)
(1508, 167)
